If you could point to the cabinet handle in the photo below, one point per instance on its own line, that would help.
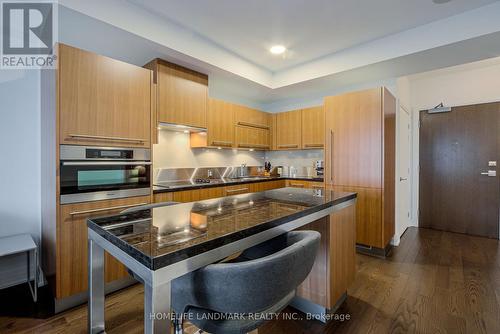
(222, 143)
(253, 125)
(74, 213)
(314, 145)
(289, 146)
(297, 185)
(106, 163)
(134, 140)
(331, 155)
(318, 186)
(236, 190)
(253, 146)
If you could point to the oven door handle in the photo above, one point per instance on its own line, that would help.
(106, 163)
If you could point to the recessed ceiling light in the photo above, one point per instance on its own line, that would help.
(440, 2)
(277, 49)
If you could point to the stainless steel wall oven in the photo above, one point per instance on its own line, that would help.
(90, 173)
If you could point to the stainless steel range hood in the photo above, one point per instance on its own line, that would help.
(180, 128)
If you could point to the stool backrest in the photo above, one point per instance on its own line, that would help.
(257, 284)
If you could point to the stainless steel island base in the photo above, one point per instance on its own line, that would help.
(157, 303)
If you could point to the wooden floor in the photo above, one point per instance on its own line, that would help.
(434, 282)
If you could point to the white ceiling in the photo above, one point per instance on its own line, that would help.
(309, 29)
(127, 31)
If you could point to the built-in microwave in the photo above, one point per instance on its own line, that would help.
(89, 173)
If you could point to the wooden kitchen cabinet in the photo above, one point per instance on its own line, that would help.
(360, 156)
(234, 126)
(182, 94)
(369, 215)
(304, 184)
(289, 130)
(354, 128)
(215, 192)
(237, 189)
(194, 195)
(220, 123)
(252, 138)
(313, 128)
(334, 270)
(252, 128)
(245, 116)
(71, 257)
(102, 101)
(268, 185)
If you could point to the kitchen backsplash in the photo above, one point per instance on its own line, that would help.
(173, 151)
(302, 160)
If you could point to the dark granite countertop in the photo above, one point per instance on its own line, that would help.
(162, 236)
(186, 185)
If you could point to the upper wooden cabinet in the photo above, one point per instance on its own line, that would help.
(233, 125)
(220, 123)
(354, 130)
(245, 116)
(289, 130)
(252, 128)
(313, 128)
(252, 138)
(182, 94)
(102, 100)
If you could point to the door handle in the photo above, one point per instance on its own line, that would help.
(403, 179)
(332, 138)
(490, 173)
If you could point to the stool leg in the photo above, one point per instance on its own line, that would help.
(178, 324)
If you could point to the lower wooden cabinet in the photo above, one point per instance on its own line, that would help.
(335, 267)
(369, 217)
(269, 185)
(71, 267)
(237, 189)
(305, 184)
(185, 196)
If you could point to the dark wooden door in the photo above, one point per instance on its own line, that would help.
(455, 148)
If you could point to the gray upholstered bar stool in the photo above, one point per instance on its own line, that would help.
(262, 280)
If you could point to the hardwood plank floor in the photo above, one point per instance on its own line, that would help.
(434, 282)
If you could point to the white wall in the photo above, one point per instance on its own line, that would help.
(173, 151)
(472, 83)
(316, 98)
(20, 164)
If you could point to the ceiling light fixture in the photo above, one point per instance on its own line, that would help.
(440, 2)
(277, 49)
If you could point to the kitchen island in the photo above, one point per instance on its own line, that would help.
(161, 244)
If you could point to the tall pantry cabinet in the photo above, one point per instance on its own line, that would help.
(360, 157)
